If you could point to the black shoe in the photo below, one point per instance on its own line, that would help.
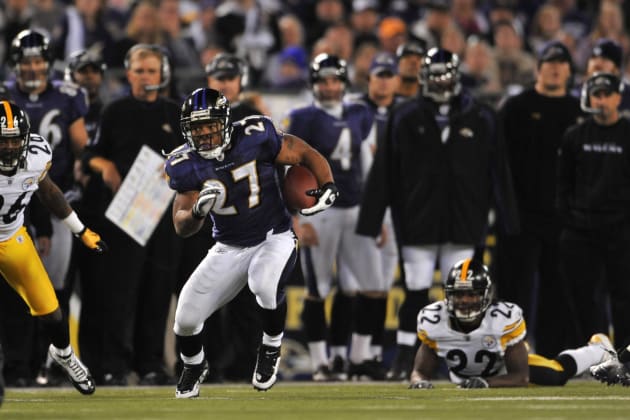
(402, 365)
(156, 378)
(368, 370)
(339, 369)
(192, 376)
(115, 379)
(265, 373)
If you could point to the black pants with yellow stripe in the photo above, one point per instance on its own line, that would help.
(550, 372)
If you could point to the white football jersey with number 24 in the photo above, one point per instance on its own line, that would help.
(16, 190)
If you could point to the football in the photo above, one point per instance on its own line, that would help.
(297, 181)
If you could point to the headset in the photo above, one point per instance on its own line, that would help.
(165, 68)
(608, 80)
(229, 63)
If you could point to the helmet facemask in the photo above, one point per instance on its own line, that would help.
(468, 291)
(14, 135)
(440, 76)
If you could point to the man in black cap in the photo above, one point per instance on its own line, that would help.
(593, 200)
(410, 56)
(533, 123)
(229, 75)
(607, 56)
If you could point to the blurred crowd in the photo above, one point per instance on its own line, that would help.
(500, 43)
(497, 40)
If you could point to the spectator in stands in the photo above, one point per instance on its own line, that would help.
(469, 18)
(364, 21)
(392, 31)
(325, 14)
(516, 66)
(435, 21)
(545, 27)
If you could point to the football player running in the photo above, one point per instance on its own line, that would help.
(227, 170)
(24, 162)
(483, 342)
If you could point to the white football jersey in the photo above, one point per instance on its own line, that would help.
(16, 191)
(479, 352)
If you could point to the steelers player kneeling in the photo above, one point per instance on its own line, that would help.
(24, 162)
(483, 342)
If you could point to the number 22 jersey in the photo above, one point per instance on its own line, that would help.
(479, 352)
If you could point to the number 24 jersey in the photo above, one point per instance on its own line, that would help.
(479, 352)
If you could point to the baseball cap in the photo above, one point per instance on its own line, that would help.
(554, 51)
(224, 65)
(608, 49)
(384, 63)
(603, 82)
(412, 47)
(294, 54)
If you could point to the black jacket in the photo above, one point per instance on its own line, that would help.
(439, 191)
(594, 175)
(533, 126)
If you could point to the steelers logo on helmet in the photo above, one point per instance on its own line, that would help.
(440, 75)
(14, 135)
(205, 123)
(468, 291)
(323, 67)
(30, 55)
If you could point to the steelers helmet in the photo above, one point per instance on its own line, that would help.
(468, 277)
(14, 135)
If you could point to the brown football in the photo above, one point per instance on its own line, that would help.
(297, 181)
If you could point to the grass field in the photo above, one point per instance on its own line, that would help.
(300, 400)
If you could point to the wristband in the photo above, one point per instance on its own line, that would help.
(74, 224)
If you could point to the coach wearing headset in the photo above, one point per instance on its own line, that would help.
(593, 198)
(136, 282)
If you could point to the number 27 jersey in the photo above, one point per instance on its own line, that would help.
(479, 352)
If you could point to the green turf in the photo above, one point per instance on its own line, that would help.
(578, 400)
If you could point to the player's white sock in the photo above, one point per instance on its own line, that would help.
(585, 357)
(197, 359)
(341, 351)
(272, 340)
(317, 349)
(377, 352)
(360, 349)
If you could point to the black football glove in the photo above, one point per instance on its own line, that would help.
(326, 196)
(475, 382)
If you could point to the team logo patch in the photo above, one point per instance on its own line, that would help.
(28, 183)
(488, 341)
(19, 239)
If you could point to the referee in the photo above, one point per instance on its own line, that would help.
(593, 198)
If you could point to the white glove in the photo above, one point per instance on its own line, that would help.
(421, 384)
(205, 202)
(326, 196)
(475, 382)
